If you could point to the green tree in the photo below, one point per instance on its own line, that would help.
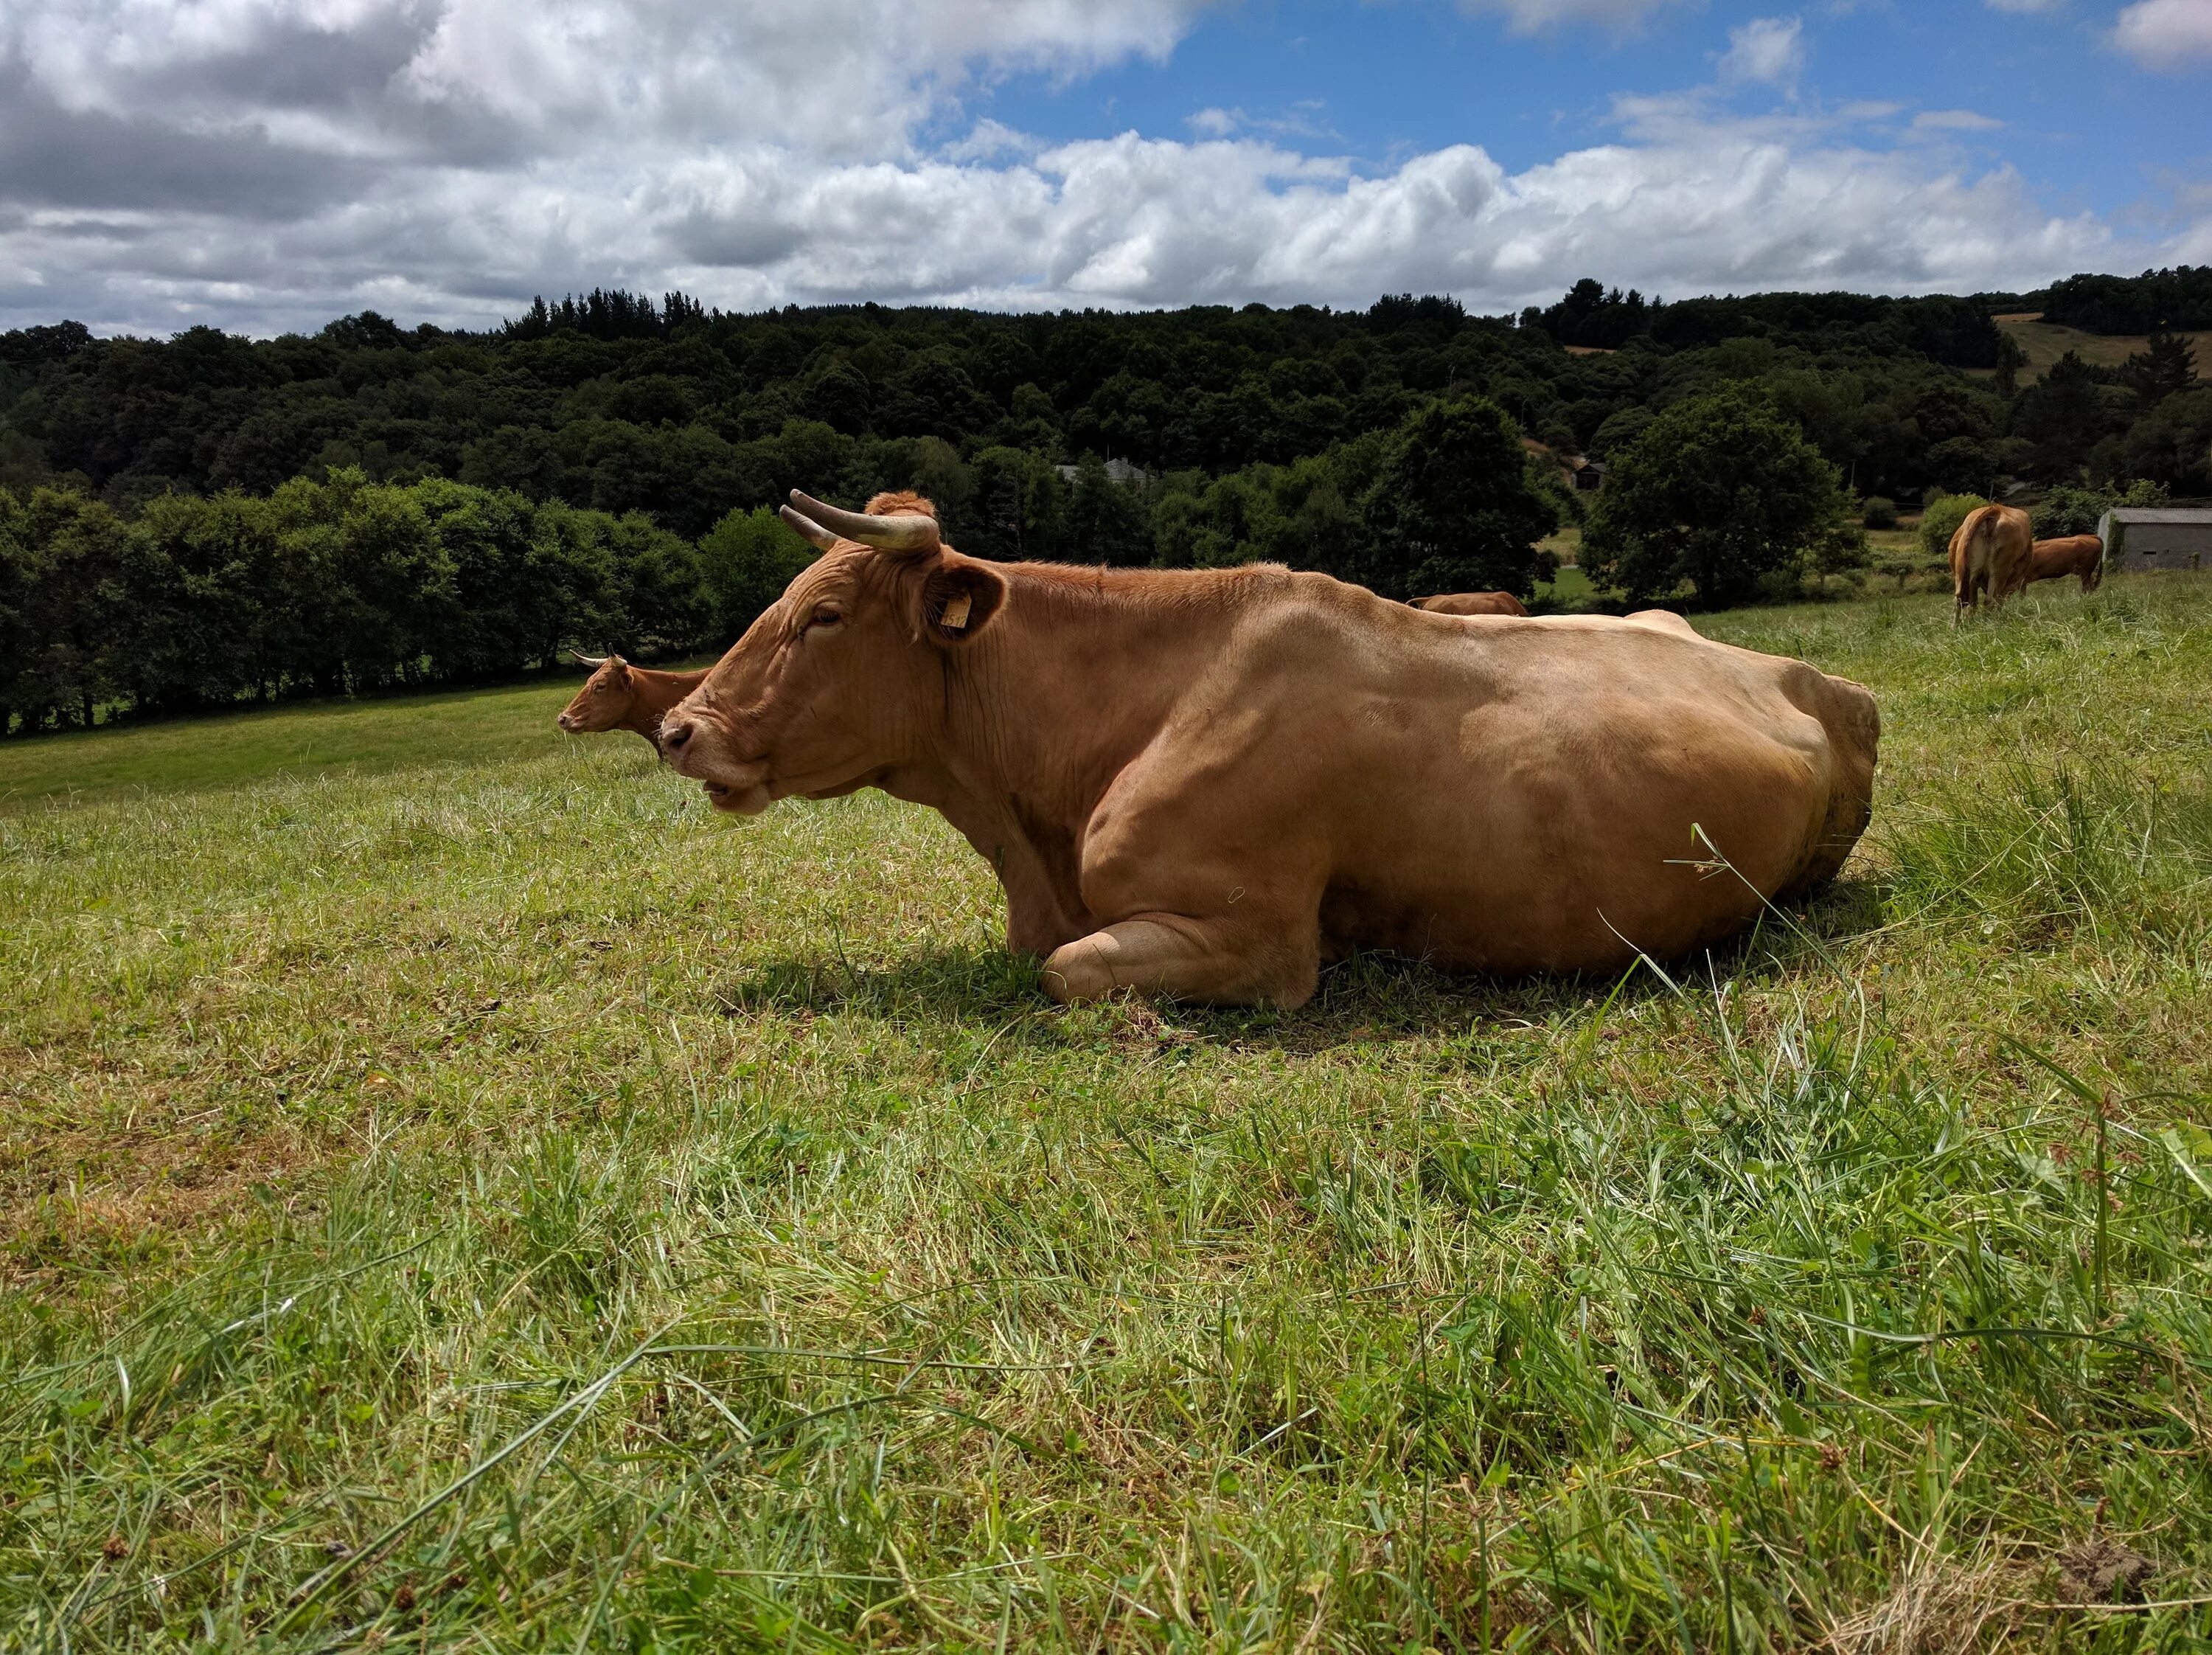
(2172, 443)
(2166, 365)
(1106, 519)
(1451, 509)
(1720, 491)
(68, 554)
(2064, 414)
(748, 559)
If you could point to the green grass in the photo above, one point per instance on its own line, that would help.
(458, 1192)
(323, 739)
(1568, 587)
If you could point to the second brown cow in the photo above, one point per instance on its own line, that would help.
(1472, 603)
(2073, 554)
(620, 697)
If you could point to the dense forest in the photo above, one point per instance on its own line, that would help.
(595, 471)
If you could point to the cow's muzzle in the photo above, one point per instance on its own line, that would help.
(738, 786)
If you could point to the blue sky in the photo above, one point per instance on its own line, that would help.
(2088, 126)
(268, 164)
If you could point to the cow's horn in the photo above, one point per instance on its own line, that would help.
(591, 661)
(905, 531)
(807, 527)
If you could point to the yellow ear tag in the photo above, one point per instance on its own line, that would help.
(956, 612)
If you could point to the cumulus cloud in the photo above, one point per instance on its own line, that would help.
(2166, 34)
(1768, 49)
(267, 164)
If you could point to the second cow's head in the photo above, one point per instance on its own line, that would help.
(835, 680)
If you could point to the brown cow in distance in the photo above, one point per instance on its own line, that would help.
(1203, 782)
(1472, 603)
(620, 697)
(2072, 554)
(1988, 557)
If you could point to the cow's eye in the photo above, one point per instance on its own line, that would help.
(825, 615)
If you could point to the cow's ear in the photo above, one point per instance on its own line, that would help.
(959, 598)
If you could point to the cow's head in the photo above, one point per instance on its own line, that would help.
(604, 702)
(838, 680)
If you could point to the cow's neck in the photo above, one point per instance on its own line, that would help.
(1042, 714)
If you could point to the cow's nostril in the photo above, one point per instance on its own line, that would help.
(675, 736)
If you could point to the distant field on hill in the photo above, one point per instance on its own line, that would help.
(457, 1193)
(2046, 341)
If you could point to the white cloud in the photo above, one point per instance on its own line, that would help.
(2024, 5)
(1954, 120)
(1767, 50)
(2165, 34)
(272, 163)
(1540, 16)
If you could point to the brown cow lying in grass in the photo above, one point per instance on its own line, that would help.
(1204, 782)
(1988, 557)
(620, 697)
(2073, 554)
(1472, 603)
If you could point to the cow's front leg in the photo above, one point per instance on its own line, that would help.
(1189, 958)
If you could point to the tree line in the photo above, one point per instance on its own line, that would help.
(621, 403)
(342, 584)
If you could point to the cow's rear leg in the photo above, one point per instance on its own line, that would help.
(1187, 959)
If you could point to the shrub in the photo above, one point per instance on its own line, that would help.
(1879, 513)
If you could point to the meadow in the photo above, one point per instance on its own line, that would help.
(457, 1192)
(2044, 343)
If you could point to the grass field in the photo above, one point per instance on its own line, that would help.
(457, 1193)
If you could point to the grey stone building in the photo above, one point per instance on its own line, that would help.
(2156, 537)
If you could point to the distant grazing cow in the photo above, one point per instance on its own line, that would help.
(1988, 557)
(1472, 603)
(620, 697)
(1202, 783)
(2073, 554)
